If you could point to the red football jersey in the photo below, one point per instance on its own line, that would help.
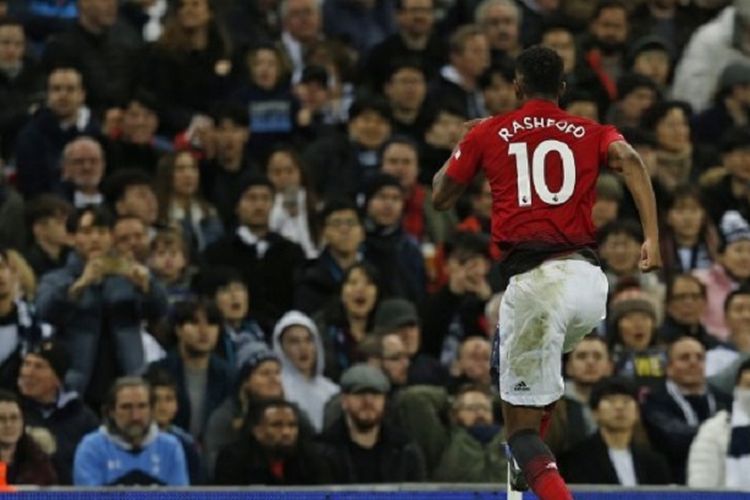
(542, 165)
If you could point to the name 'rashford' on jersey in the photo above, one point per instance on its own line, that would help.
(542, 165)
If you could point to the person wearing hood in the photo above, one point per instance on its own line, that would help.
(129, 449)
(47, 404)
(387, 246)
(298, 345)
(460, 437)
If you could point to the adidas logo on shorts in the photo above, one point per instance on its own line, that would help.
(521, 387)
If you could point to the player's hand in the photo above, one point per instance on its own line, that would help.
(650, 256)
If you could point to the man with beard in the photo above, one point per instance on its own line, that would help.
(360, 447)
(605, 54)
(129, 448)
(203, 378)
(272, 452)
(464, 447)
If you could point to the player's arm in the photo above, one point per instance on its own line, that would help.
(447, 187)
(445, 191)
(625, 160)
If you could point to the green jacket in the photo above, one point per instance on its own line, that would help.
(451, 453)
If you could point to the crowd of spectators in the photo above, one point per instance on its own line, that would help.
(220, 263)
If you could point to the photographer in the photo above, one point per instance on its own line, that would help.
(97, 303)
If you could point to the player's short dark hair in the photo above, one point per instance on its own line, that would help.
(542, 70)
(611, 386)
(505, 68)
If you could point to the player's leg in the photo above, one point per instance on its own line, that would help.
(541, 316)
(532, 456)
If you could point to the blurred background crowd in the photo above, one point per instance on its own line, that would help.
(219, 261)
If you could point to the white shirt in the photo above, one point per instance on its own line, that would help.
(622, 460)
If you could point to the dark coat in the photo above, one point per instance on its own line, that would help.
(185, 83)
(398, 258)
(39, 149)
(589, 463)
(447, 314)
(318, 284)
(668, 429)
(269, 280)
(69, 419)
(31, 465)
(105, 61)
(244, 463)
(17, 96)
(218, 386)
(377, 65)
(401, 460)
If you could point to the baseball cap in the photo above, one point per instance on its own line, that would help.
(395, 313)
(734, 74)
(56, 355)
(364, 378)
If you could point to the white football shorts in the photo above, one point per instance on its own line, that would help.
(544, 313)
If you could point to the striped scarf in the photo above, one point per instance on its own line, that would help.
(738, 454)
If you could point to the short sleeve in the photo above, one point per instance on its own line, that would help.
(466, 158)
(609, 135)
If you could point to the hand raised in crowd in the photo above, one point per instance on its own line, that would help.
(139, 275)
(92, 274)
